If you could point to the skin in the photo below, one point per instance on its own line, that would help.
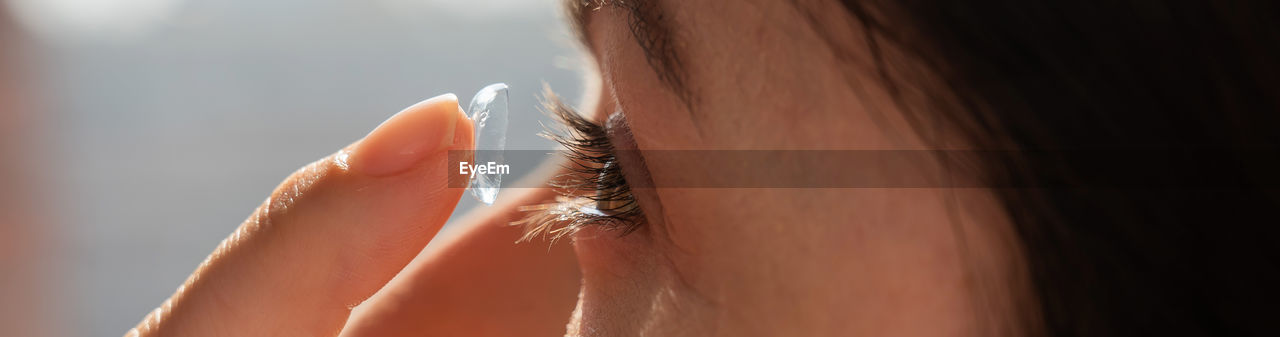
(919, 261)
(815, 262)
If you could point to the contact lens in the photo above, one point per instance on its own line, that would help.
(488, 111)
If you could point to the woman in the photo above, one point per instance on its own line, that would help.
(1090, 169)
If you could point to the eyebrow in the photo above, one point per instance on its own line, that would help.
(651, 28)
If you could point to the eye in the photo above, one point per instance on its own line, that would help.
(594, 192)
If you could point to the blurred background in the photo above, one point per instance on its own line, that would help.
(139, 133)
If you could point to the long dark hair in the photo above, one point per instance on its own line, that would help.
(1143, 188)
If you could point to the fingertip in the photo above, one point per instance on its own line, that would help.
(464, 132)
(408, 137)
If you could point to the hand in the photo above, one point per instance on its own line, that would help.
(337, 230)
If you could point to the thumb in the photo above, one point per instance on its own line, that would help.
(328, 237)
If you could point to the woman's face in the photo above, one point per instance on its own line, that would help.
(776, 75)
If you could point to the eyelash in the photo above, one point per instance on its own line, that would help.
(594, 193)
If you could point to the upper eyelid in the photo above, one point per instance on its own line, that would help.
(651, 29)
(654, 31)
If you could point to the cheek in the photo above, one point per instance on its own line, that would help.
(630, 289)
(610, 286)
(621, 278)
(605, 257)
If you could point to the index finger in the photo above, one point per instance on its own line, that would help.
(328, 237)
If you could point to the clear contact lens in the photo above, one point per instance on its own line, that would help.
(488, 111)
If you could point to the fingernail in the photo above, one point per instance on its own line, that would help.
(407, 137)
